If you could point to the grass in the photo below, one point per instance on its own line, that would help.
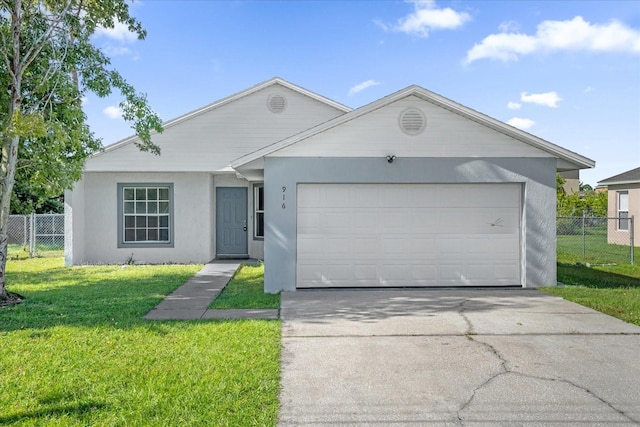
(246, 290)
(596, 250)
(614, 290)
(78, 352)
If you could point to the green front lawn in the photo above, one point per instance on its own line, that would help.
(246, 290)
(614, 290)
(78, 352)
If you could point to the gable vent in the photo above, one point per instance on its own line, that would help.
(277, 103)
(412, 121)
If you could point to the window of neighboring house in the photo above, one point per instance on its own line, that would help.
(258, 208)
(623, 210)
(145, 215)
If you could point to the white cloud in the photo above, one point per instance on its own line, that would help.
(112, 112)
(547, 99)
(119, 32)
(427, 17)
(588, 89)
(117, 50)
(509, 26)
(553, 36)
(362, 86)
(521, 123)
(514, 105)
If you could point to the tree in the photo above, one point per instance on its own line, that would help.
(48, 63)
(586, 202)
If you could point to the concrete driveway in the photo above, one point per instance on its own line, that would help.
(454, 357)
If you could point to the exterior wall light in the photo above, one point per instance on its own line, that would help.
(391, 158)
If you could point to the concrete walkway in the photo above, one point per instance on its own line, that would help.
(454, 357)
(191, 300)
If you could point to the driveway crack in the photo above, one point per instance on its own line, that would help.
(505, 369)
(461, 311)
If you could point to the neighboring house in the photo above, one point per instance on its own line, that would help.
(623, 203)
(571, 181)
(410, 190)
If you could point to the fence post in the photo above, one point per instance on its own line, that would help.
(32, 236)
(631, 237)
(25, 238)
(584, 255)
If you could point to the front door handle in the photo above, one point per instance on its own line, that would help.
(244, 228)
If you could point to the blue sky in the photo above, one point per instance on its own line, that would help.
(566, 71)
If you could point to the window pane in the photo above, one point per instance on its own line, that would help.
(163, 193)
(129, 221)
(145, 214)
(623, 222)
(141, 222)
(259, 198)
(129, 235)
(623, 201)
(259, 225)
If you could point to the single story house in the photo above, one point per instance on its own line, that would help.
(410, 190)
(623, 203)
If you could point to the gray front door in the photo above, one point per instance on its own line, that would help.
(231, 222)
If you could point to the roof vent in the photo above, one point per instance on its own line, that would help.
(277, 103)
(412, 121)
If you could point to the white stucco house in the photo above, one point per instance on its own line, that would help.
(410, 190)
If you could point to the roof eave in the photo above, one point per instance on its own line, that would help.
(580, 161)
(227, 100)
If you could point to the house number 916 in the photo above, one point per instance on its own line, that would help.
(284, 190)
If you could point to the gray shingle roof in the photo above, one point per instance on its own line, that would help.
(625, 177)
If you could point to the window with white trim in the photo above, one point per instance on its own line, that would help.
(145, 214)
(623, 210)
(258, 211)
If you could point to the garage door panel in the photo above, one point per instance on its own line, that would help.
(408, 235)
(364, 220)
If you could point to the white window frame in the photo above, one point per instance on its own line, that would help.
(257, 212)
(622, 204)
(142, 209)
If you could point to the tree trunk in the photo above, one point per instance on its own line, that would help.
(10, 145)
(9, 161)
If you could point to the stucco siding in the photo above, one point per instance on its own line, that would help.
(378, 134)
(614, 235)
(74, 223)
(537, 176)
(210, 140)
(191, 210)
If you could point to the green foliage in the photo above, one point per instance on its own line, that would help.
(78, 351)
(47, 64)
(586, 202)
(27, 199)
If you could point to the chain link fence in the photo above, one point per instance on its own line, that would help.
(594, 240)
(36, 234)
